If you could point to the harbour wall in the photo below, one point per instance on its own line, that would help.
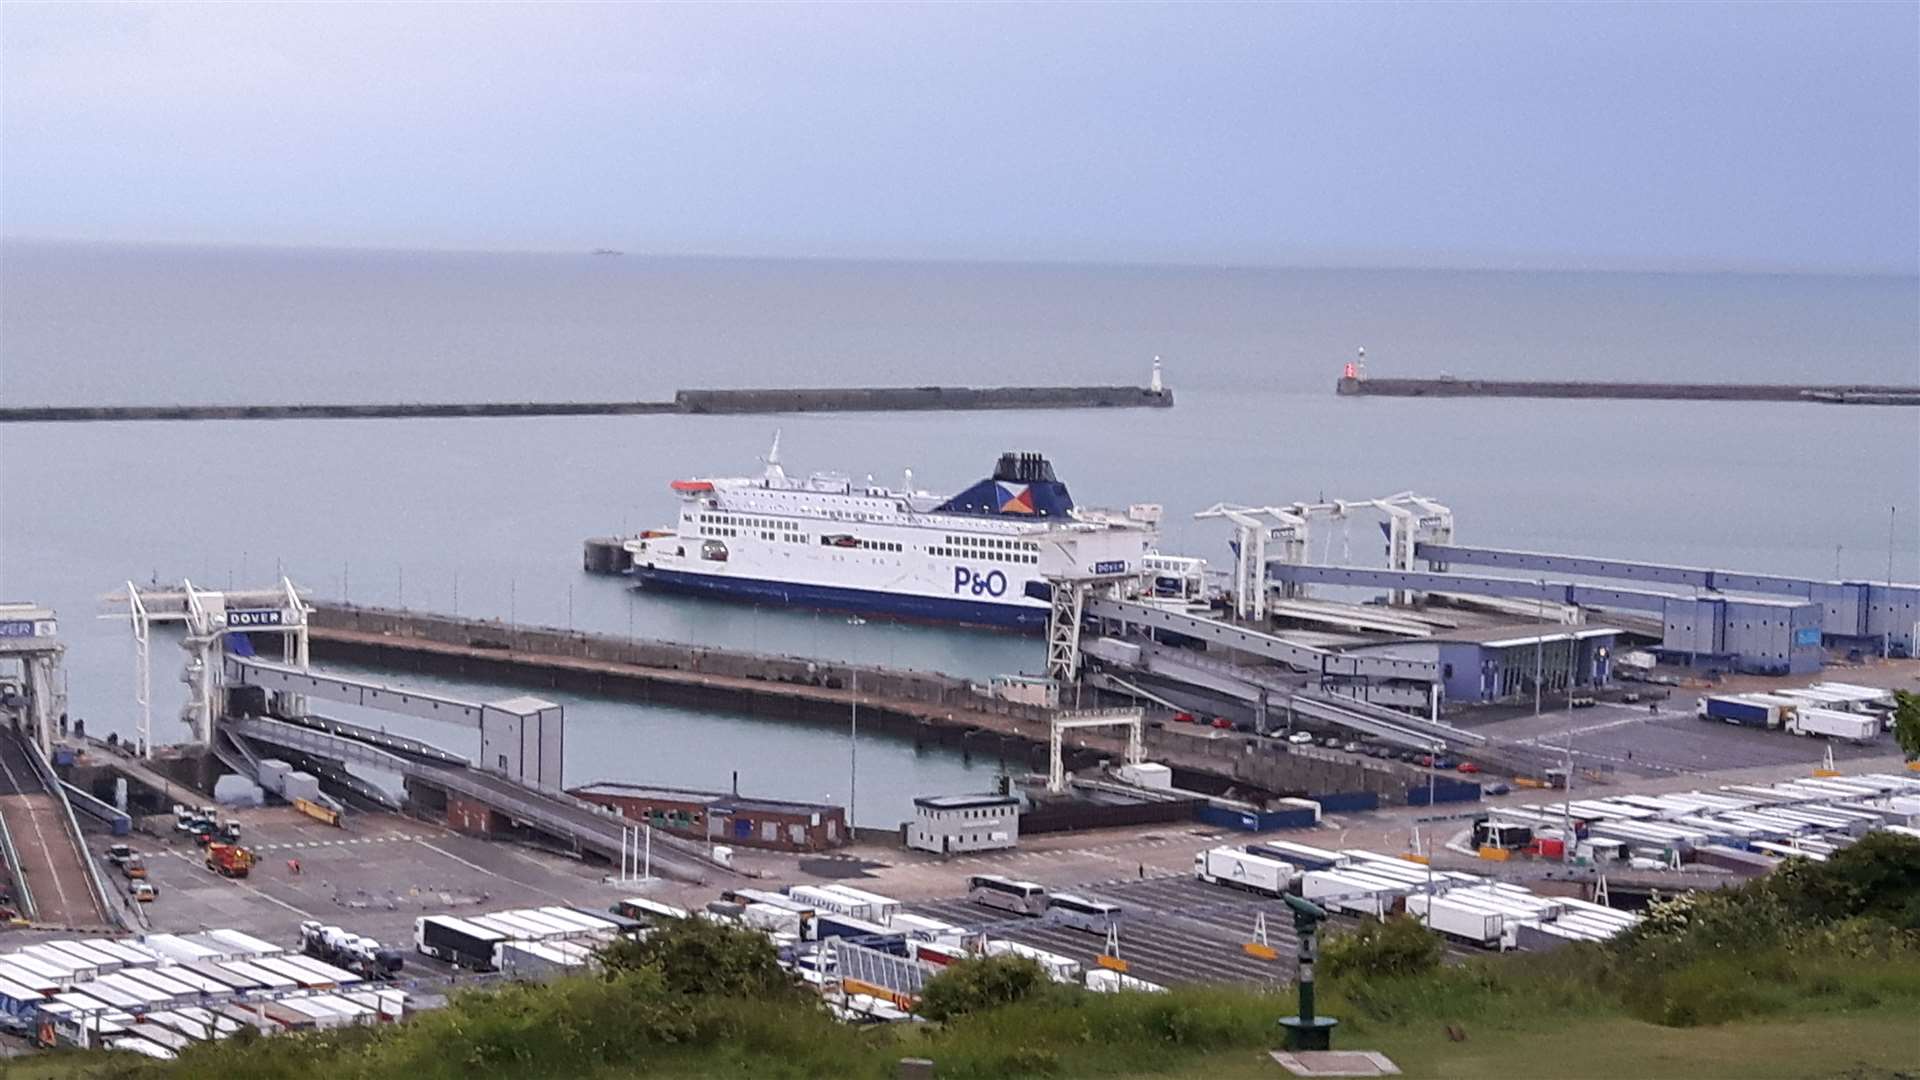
(685, 402)
(927, 707)
(1841, 394)
(921, 398)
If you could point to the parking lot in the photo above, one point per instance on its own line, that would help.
(374, 877)
(1634, 740)
(1175, 929)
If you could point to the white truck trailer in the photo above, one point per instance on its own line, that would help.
(1458, 920)
(1231, 866)
(1834, 724)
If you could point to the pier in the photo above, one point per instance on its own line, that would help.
(1449, 386)
(684, 403)
(924, 706)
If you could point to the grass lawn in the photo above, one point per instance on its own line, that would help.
(1876, 1044)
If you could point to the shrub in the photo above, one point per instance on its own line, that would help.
(971, 986)
(704, 958)
(1398, 946)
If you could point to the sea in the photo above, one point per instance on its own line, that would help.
(486, 517)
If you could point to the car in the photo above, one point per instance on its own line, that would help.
(1468, 767)
(1299, 738)
(1498, 787)
(1352, 746)
(1183, 718)
(143, 891)
(1582, 701)
(1331, 742)
(1631, 697)
(1223, 723)
(119, 853)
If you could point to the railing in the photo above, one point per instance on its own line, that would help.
(96, 808)
(57, 788)
(19, 872)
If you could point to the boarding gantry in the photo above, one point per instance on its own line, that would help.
(36, 696)
(1131, 719)
(1411, 520)
(211, 619)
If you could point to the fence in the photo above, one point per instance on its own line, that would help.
(1444, 791)
(1341, 801)
(1255, 821)
(1066, 818)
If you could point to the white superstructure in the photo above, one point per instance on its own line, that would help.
(981, 556)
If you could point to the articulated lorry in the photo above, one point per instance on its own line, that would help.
(1741, 709)
(1231, 866)
(1854, 727)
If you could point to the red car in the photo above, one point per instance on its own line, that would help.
(1468, 766)
(1223, 723)
(1183, 718)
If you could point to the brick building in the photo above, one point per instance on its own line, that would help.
(726, 819)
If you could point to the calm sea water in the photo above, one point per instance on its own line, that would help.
(486, 516)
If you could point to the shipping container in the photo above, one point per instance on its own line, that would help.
(1834, 724)
(456, 941)
(242, 943)
(102, 961)
(1740, 710)
(166, 984)
(1458, 920)
(1351, 891)
(531, 960)
(880, 909)
(1059, 968)
(1301, 856)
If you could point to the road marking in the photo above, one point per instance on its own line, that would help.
(189, 860)
(33, 818)
(456, 858)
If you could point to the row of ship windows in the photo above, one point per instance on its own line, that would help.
(721, 530)
(749, 522)
(990, 556)
(992, 543)
(879, 545)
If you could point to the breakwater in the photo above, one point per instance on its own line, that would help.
(1447, 386)
(685, 402)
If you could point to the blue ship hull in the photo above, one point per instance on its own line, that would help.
(834, 598)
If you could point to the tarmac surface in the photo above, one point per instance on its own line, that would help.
(1174, 929)
(52, 867)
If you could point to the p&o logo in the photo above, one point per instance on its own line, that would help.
(991, 583)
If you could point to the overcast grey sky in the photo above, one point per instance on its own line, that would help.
(1770, 135)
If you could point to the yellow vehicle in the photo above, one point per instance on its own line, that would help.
(143, 891)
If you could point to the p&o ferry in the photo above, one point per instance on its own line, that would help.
(979, 557)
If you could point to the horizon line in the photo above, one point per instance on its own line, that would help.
(1358, 261)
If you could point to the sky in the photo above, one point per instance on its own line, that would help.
(1767, 136)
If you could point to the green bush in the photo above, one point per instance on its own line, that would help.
(1399, 946)
(971, 986)
(705, 958)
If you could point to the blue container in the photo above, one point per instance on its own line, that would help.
(1340, 801)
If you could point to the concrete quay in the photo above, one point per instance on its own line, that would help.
(685, 402)
(924, 706)
(1447, 386)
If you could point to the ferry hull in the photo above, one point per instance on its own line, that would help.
(834, 598)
